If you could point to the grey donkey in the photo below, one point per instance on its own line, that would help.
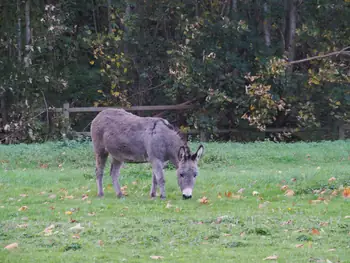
(133, 139)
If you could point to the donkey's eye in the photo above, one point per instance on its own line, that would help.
(195, 175)
(182, 175)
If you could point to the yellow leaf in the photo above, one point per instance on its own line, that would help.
(338, 103)
(100, 91)
(204, 200)
(23, 208)
(118, 64)
(289, 193)
(92, 62)
(274, 257)
(156, 257)
(125, 70)
(68, 212)
(11, 246)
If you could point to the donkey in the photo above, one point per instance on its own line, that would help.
(133, 139)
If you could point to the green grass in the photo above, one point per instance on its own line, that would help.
(134, 228)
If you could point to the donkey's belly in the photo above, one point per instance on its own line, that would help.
(130, 154)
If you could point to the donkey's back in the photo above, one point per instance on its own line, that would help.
(123, 135)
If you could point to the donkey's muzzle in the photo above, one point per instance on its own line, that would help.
(186, 196)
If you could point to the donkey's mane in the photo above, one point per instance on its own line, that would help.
(174, 128)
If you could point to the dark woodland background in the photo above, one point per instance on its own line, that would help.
(228, 58)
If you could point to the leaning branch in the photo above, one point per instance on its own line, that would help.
(336, 53)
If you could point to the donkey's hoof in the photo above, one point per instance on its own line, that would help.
(120, 195)
(162, 197)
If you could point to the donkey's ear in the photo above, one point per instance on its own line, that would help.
(198, 153)
(182, 153)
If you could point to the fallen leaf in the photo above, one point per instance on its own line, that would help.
(60, 165)
(204, 200)
(168, 205)
(332, 179)
(294, 179)
(240, 191)
(242, 234)
(53, 196)
(52, 207)
(347, 217)
(299, 245)
(334, 193)
(346, 192)
(84, 197)
(284, 187)
(177, 209)
(76, 236)
(44, 165)
(22, 226)
(23, 195)
(314, 202)
(289, 192)
(11, 246)
(228, 194)
(100, 243)
(315, 231)
(23, 208)
(134, 183)
(255, 193)
(323, 223)
(48, 230)
(42, 193)
(69, 197)
(318, 168)
(68, 212)
(156, 257)
(274, 257)
(265, 204)
(219, 195)
(77, 229)
(331, 249)
(227, 235)
(219, 220)
(91, 214)
(123, 189)
(289, 222)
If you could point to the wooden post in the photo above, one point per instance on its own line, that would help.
(203, 136)
(341, 130)
(66, 117)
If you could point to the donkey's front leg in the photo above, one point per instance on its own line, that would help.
(157, 168)
(115, 171)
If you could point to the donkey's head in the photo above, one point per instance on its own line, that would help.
(187, 170)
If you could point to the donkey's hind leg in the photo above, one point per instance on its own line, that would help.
(115, 171)
(101, 159)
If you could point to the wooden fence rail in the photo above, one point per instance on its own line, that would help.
(340, 127)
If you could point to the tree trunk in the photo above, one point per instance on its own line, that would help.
(19, 32)
(234, 5)
(28, 34)
(291, 17)
(267, 24)
(109, 4)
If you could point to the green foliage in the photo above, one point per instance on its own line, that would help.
(168, 52)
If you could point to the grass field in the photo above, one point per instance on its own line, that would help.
(52, 186)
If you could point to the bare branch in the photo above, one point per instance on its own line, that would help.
(336, 53)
